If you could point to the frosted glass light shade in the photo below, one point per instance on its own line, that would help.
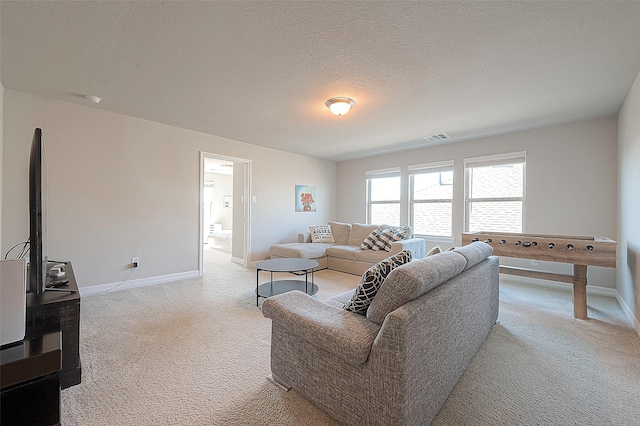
(340, 106)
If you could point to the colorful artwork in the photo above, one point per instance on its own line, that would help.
(305, 198)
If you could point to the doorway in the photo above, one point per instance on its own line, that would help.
(224, 210)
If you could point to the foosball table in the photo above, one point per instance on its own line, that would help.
(579, 251)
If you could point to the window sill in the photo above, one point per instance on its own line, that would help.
(435, 239)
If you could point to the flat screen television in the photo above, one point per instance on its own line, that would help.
(37, 219)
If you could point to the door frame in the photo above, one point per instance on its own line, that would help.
(245, 203)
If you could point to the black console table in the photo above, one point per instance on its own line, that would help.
(59, 311)
(30, 382)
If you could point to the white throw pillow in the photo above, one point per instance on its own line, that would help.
(321, 234)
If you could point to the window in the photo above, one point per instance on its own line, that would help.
(383, 197)
(494, 193)
(431, 198)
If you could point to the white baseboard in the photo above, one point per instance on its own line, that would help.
(252, 264)
(591, 289)
(629, 313)
(140, 282)
(237, 260)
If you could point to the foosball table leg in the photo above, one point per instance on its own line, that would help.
(580, 291)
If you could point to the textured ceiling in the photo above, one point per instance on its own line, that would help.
(260, 72)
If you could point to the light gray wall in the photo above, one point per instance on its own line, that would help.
(629, 198)
(570, 182)
(1, 152)
(1, 162)
(119, 187)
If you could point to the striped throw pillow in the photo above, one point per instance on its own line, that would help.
(382, 237)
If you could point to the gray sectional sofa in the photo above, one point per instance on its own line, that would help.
(398, 364)
(346, 255)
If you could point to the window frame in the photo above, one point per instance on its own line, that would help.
(439, 167)
(380, 174)
(519, 157)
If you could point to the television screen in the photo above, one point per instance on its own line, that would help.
(37, 219)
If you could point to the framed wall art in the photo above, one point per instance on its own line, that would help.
(305, 198)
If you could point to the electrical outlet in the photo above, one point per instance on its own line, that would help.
(135, 262)
(534, 263)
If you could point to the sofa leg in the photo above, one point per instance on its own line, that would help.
(279, 383)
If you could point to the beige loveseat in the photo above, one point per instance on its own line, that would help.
(397, 364)
(345, 254)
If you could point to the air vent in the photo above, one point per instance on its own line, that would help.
(436, 138)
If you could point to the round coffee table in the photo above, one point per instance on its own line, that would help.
(282, 286)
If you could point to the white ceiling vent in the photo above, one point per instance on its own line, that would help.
(436, 138)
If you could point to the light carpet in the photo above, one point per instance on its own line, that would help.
(196, 352)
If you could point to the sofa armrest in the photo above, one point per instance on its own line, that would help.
(304, 238)
(415, 245)
(344, 334)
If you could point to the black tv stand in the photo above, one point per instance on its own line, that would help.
(52, 284)
(55, 286)
(30, 382)
(59, 289)
(59, 309)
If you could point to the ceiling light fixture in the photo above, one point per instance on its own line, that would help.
(94, 99)
(340, 105)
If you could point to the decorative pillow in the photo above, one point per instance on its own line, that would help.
(359, 232)
(371, 281)
(321, 234)
(433, 251)
(381, 238)
(340, 232)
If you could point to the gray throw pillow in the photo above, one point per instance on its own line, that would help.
(371, 281)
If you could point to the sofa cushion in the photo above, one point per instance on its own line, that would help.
(321, 234)
(336, 332)
(359, 232)
(343, 252)
(412, 280)
(372, 256)
(303, 250)
(371, 281)
(382, 237)
(339, 300)
(475, 252)
(340, 232)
